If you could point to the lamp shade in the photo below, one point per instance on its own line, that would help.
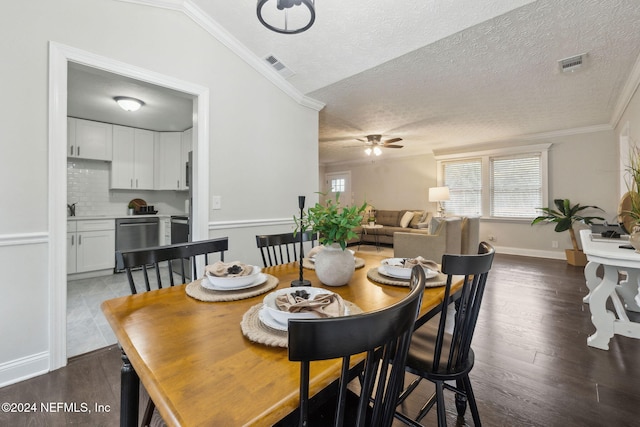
(438, 194)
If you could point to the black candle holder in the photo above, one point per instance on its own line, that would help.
(301, 281)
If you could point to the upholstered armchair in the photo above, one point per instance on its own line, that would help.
(446, 237)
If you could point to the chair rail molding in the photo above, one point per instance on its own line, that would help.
(223, 36)
(24, 239)
(248, 223)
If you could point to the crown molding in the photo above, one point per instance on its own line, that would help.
(628, 91)
(207, 23)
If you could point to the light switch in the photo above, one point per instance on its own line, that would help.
(216, 202)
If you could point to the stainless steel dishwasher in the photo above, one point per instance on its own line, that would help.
(136, 233)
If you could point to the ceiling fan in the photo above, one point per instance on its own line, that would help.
(373, 143)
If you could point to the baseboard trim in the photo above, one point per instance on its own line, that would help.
(535, 253)
(24, 368)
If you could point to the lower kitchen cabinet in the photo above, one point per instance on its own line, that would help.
(90, 245)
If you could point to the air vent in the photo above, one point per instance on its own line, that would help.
(572, 63)
(279, 66)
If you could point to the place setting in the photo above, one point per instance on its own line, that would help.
(397, 272)
(309, 261)
(267, 322)
(231, 281)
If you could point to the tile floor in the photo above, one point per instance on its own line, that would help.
(88, 330)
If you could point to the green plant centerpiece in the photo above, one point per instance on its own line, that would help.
(335, 226)
(565, 216)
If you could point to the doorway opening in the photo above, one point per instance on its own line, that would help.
(60, 56)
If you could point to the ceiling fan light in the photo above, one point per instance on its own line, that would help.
(128, 104)
(367, 151)
(377, 151)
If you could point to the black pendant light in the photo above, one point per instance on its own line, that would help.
(288, 16)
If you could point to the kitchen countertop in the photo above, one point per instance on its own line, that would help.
(94, 217)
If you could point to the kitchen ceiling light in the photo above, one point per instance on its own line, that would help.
(292, 21)
(128, 104)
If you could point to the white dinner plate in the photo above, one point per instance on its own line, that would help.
(260, 278)
(427, 273)
(269, 321)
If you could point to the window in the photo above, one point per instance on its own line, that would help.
(508, 183)
(464, 179)
(337, 185)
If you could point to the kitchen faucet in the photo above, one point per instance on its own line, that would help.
(72, 209)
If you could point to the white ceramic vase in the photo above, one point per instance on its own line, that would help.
(334, 267)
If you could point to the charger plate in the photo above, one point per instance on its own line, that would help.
(195, 290)
(258, 332)
(374, 275)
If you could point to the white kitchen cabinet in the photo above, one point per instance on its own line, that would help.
(186, 147)
(167, 160)
(133, 163)
(91, 246)
(87, 139)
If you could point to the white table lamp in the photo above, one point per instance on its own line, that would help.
(439, 194)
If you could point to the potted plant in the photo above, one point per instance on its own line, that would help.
(334, 223)
(564, 217)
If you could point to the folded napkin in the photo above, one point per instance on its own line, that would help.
(325, 305)
(228, 269)
(425, 263)
(314, 251)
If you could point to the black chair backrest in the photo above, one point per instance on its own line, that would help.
(178, 252)
(474, 269)
(384, 335)
(274, 247)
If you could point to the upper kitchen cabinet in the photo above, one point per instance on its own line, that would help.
(172, 154)
(187, 146)
(167, 160)
(133, 164)
(87, 139)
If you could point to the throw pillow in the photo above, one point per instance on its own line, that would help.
(406, 219)
(417, 216)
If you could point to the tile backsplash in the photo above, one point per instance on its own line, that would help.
(88, 188)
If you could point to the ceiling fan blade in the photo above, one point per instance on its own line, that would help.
(392, 140)
(393, 146)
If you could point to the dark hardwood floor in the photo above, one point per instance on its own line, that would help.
(533, 367)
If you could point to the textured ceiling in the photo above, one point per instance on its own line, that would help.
(441, 74)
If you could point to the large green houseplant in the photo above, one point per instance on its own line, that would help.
(333, 222)
(565, 216)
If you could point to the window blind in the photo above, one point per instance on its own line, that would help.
(464, 179)
(516, 186)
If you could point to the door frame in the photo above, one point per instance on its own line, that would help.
(59, 57)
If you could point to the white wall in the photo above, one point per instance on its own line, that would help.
(582, 167)
(263, 144)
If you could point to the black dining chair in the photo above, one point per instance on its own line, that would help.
(184, 255)
(440, 356)
(384, 335)
(282, 248)
(159, 256)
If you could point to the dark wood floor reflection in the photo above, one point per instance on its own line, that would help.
(533, 367)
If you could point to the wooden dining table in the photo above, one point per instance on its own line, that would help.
(200, 370)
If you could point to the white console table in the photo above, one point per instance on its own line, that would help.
(624, 294)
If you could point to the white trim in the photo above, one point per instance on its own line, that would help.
(521, 149)
(627, 93)
(24, 239)
(59, 57)
(248, 223)
(207, 23)
(24, 368)
(535, 253)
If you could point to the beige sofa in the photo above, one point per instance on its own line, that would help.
(454, 235)
(406, 220)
